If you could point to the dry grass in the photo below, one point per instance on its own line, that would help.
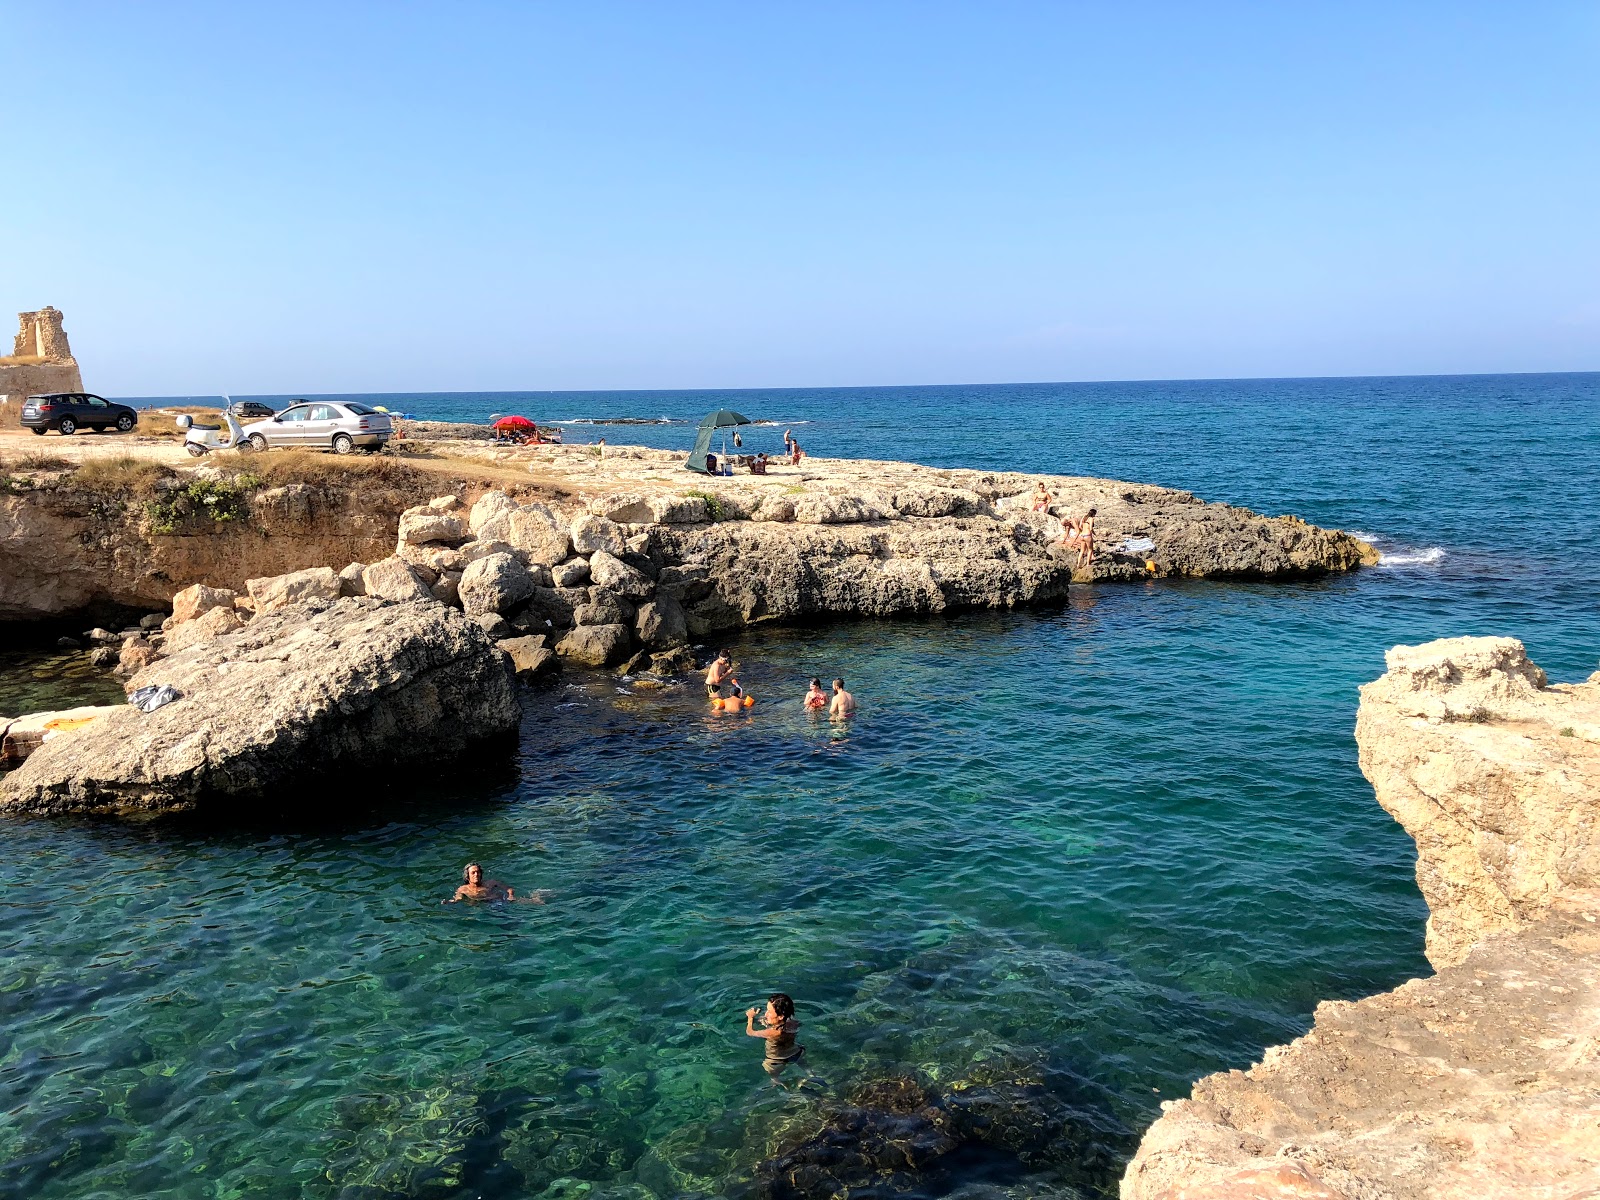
(35, 461)
(122, 473)
(277, 467)
(163, 424)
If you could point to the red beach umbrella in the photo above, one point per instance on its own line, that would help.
(513, 423)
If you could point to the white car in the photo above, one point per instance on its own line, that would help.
(337, 425)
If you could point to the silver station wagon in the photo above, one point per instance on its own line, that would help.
(336, 425)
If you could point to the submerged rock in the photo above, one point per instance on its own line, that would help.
(309, 700)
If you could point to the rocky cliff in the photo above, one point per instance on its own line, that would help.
(1484, 1080)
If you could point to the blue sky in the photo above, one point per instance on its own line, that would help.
(410, 196)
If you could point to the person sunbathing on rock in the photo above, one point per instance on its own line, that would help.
(475, 887)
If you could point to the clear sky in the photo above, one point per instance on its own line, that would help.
(255, 197)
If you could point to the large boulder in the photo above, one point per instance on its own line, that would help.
(277, 591)
(571, 573)
(489, 506)
(427, 525)
(660, 623)
(529, 656)
(306, 704)
(679, 510)
(627, 508)
(393, 579)
(215, 623)
(609, 571)
(198, 599)
(605, 607)
(591, 533)
(499, 583)
(532, 531)
(596, 645)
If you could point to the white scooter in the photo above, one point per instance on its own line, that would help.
(201, 439)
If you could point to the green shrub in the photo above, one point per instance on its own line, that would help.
(217, 500)
(714, 505)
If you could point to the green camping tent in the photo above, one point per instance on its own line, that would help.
(723, 418)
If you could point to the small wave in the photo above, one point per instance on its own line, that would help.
(1365, 537)
(621, 421)
(1411, 558)
(764, 421)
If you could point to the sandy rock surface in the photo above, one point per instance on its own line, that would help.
(313, 699)
(1484, 1080)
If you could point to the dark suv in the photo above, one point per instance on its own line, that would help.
(69, 412)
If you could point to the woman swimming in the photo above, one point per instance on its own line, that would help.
(816, 697)
(778, 1028)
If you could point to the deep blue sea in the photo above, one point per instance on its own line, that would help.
(1107, 848)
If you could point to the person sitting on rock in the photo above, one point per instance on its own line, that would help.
(815, 697)
(716, 673)
(475, 887)
(778, 1028)
(1041, 498)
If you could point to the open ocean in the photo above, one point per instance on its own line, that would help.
(1107, 848)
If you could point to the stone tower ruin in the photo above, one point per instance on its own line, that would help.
(42, 362)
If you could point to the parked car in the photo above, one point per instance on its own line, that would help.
(251, 410)
(68, 412)
(339, 426)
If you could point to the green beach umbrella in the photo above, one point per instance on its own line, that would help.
(723, 418)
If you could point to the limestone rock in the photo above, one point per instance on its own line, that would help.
(679, 510)
(626, 508)
(137, 654)
(591, 533)
(393, 579)
(1464, 744)
(530, 658)
(305, 704)
(470, 552)
(447, 588)
(103, 657)
(493, 624)
(276, 591)
(445, 559)
(197, 599)
(350, 583)
(426, 525)
(499, 583)
(418, 558)
(214, 623)
(445, 503)
(531, 531)
(23, 735)
(571, 573)
(608, 571)
(774, 507)
(679, 660)
(660, 623)
(489, 506)
(834, 509)
(596, 645)
(605, 607)
(926, 501)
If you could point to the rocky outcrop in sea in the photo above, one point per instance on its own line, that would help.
(1483, 1080)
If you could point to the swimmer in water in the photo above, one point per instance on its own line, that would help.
(475, 887)
(778, 1027)
(843, 704)
(716, 673)
(815, 696)
(734, 690)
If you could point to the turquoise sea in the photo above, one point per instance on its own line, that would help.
(1098, 851)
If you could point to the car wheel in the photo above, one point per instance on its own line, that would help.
(38, 429)
(194, 451)
(258, 442)
(68, 427)
(342, 443)
(124, 423)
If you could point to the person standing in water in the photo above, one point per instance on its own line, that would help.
(778, 1029)
(843, 704)
(719, 670)
(815, 697)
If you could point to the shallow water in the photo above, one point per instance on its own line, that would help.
(1106, 849)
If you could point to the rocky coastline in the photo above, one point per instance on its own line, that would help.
(1484, 1079)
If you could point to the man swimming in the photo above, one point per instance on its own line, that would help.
(475, 887)
(719, 670)
(843, 704)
